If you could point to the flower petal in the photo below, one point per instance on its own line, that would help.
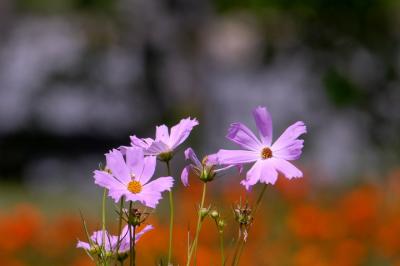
(162, 133)
(286, 168)
(83, 245)
(269, 175)
(264, 124)
(185, 175)
(253, 175)
(243, 136)
(287, 146)
(237, 156)
(143, 231)
(181, 131)
(116, 189)
(141, 143)
(190, 154)
(117, 165)
(151, 192)
(156, 148)
(134, 160)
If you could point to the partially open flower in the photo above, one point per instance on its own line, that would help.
(165, 142)
(205, 170)
(112, 247)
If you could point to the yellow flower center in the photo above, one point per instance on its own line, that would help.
(135, 187)
(266, 153)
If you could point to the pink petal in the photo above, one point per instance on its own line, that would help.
(141, 143)
(151, 193)
(290, 134)
(253, 175)
(286, 168)
(191, 155)
(181, 131)
(116, 189)
(83, 245)
(268, 173)
(117, 165)
(134, 160)
(157, 147)
(237, 156)
(264, 124)
(185, 175)
(162, 133)
(292, 151)
(243, 136)
(149, 167)
(142, 232)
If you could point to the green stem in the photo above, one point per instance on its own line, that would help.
(121, 206)
(199, 223)
(131, 239)
(221, 246)
(103, 214)
(171, 217)
(242, 241)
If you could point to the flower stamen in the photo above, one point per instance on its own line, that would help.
(266, 153)
(135, 187)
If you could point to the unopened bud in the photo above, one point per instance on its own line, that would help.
(204, 212)
(214, 214)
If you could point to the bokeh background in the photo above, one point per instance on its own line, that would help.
(77, 77)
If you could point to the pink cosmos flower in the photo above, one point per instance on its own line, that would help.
(130, 177)
(205, 169)
(111, 241)
(165, 142)
(269, 158)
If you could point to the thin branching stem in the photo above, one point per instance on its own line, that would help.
(199, 223)
(171, 217)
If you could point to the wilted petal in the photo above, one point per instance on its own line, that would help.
(243, 136)
(185, 175)
(191, 155)
(264, 124)
(286, 168)
(83, 245)
(117, 165)
(181, 131)
(237, 156)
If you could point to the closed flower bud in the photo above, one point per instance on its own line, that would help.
(204, 212)
(214, 214)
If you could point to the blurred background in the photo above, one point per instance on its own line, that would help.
(77, 77)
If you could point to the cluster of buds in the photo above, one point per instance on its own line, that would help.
(244, 217)
(219, 222)
(134, 216)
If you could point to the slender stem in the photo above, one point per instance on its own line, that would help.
(103, 215)
(242, 242)
(121, 206)
(199, 223)
(171, 217)
(221, 246)
(131, 239)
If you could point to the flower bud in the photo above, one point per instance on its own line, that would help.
(214, 214)
(204, 212)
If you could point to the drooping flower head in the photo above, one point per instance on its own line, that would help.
(111, 245)
(130, 177)
(206, 169)
(165, 142)
(269, 158)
